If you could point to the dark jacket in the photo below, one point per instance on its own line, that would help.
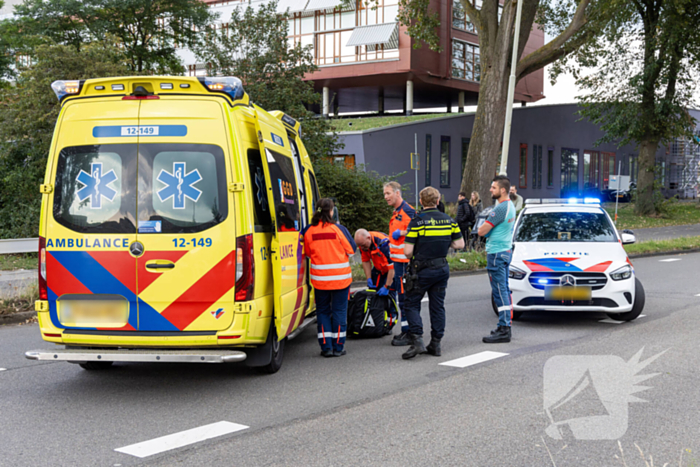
(465, 214)
(441, 207)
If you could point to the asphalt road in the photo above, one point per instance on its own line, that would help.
(372, 408)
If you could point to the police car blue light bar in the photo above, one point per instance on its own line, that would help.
(226, 84)
(562, 201)
(66, 88)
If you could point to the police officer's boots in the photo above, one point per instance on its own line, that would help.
(434, 347)
(401, 340)
(417, 347)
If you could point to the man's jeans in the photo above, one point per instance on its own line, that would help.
(497, 264)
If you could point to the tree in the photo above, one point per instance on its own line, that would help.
(28, 113)
(646, 68)
(255, 49)
(571, 22)
(149, 30)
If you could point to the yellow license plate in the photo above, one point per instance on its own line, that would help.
(568, 293)
(93, 313)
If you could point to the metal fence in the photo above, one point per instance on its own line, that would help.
(19, 245)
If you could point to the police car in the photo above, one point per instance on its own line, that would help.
(568, 256)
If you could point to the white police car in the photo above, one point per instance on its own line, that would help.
(568, 256)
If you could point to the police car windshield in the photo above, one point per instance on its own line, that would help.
(565, 227)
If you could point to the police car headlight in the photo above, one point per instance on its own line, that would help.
(515, 273)
(625, 272)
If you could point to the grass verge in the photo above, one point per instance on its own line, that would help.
(659, 246)
(18, 261)
(23, 301)
(675, 213)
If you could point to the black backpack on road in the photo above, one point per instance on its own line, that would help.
(370, 315)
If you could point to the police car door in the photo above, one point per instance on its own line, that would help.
(186, 223)
(286, 248)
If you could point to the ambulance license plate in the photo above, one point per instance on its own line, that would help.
(567, 293)
(94, 313)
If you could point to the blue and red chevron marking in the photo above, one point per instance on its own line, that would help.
(562, 265)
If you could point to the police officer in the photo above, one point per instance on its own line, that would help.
(328, 246)
(430, 235)
(376, 261)
(398, 227)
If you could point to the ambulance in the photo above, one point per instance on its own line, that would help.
(170, 227)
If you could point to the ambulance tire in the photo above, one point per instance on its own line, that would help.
(516, 314)
(637, 308)
(268, 358)
(95, 366)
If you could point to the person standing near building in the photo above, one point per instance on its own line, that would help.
(465, 216)
(498, 230)
(475, 203)
(516, 199)
(376, 261)
(328, 246)
(398, 228)
(430, 236)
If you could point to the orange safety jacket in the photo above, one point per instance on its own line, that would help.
(379, 253)
(328, 247)
(399, 220)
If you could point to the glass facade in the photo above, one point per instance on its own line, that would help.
(465, 61)
(444, 162)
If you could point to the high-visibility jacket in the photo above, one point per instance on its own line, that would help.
(328, 247)
(379, 253)
(399, 220)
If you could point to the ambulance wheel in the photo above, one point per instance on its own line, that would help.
(94, 366)
(516, 314)
(639, 299)
(277, 350)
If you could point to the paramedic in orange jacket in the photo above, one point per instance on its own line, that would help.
(398, 228)
(376, 261)
(329, 246)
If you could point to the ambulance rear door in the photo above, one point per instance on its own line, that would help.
(288, 262)
(186, 224)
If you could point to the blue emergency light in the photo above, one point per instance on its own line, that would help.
(229, 85)
(66, 88)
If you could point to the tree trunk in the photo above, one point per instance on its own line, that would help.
(487, 133)
(645, 180)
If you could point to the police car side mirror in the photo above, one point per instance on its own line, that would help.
(628, 238)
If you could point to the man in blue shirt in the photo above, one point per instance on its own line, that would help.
(498, 230)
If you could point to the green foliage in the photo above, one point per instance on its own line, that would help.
(28, 114)
(359, 194)
(255, 49)
(149, 30)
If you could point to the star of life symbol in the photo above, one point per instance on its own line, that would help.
(96, 185)
(179, 185)
(260, 189)
(599, 388)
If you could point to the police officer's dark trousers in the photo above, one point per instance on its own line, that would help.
(432, 280)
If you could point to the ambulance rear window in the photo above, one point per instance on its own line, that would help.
(182, 188)
(92, 192)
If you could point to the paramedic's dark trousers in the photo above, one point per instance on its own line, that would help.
(433, 281)
(332, 318)
(497, 265)
(399, 270)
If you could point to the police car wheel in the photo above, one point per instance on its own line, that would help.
(637, 308)
(95, 366)
(516, 314)
(277, 351)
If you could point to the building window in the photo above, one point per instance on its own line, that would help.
(537, 166)
(465, 151)
(465, 61)
(550, 167)
(608, 168)
(522, 181)
(460, 20)
(591, 170)
(569, 172)
(444, 162)
(633, 167)
(428, 151)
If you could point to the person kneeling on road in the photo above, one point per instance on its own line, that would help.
(328, 246)
(430, 236)
(498, 230)
(376, 262)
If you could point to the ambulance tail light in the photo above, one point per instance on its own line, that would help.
(43, 290)
(245, 268)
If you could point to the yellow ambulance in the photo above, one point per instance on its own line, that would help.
(170, 227)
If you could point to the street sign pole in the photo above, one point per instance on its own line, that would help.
(416, 168)
(619, 185)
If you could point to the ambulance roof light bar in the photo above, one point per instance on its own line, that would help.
(229, 85)
(66, 88)
(593, 201)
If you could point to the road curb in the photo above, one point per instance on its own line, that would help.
(664, 253)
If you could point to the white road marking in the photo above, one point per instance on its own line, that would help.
(183, 438)
(697, 295)
(669, 260)
(474, 359)
(424, 300)
(3, 369)
(614, 321)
